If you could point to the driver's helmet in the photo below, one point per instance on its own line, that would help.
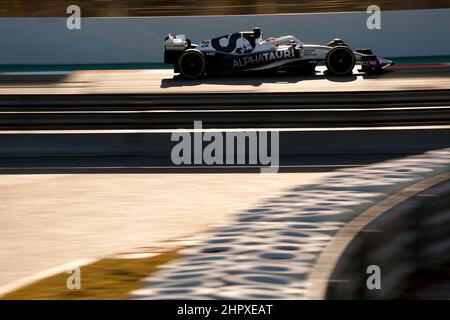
(257, 32)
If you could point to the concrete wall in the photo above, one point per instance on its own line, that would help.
(139, 40)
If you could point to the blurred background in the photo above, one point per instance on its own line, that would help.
(124, 8)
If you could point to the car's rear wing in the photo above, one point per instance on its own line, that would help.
(174, 46)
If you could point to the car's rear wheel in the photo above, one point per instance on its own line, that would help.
(340, 61)
(192, 64)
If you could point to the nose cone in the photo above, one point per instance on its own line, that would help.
(384, 63)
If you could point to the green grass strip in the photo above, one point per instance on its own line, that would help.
(102, 280)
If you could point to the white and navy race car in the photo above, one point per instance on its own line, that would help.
(247, 51)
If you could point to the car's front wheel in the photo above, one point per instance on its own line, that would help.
(192, 64)
(340, 61)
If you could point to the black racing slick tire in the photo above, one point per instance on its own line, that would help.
(340, 61)
(192, 64)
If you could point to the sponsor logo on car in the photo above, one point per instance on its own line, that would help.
(265, 57)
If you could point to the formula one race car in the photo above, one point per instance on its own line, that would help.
(247, 51)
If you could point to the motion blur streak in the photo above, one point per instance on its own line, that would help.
(108, 8)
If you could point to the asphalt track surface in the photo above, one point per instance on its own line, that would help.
(48, 220)
(165, 82)
(135, 85)
(84, 209)
(136, 165)
(59, 210)
(152, 99)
